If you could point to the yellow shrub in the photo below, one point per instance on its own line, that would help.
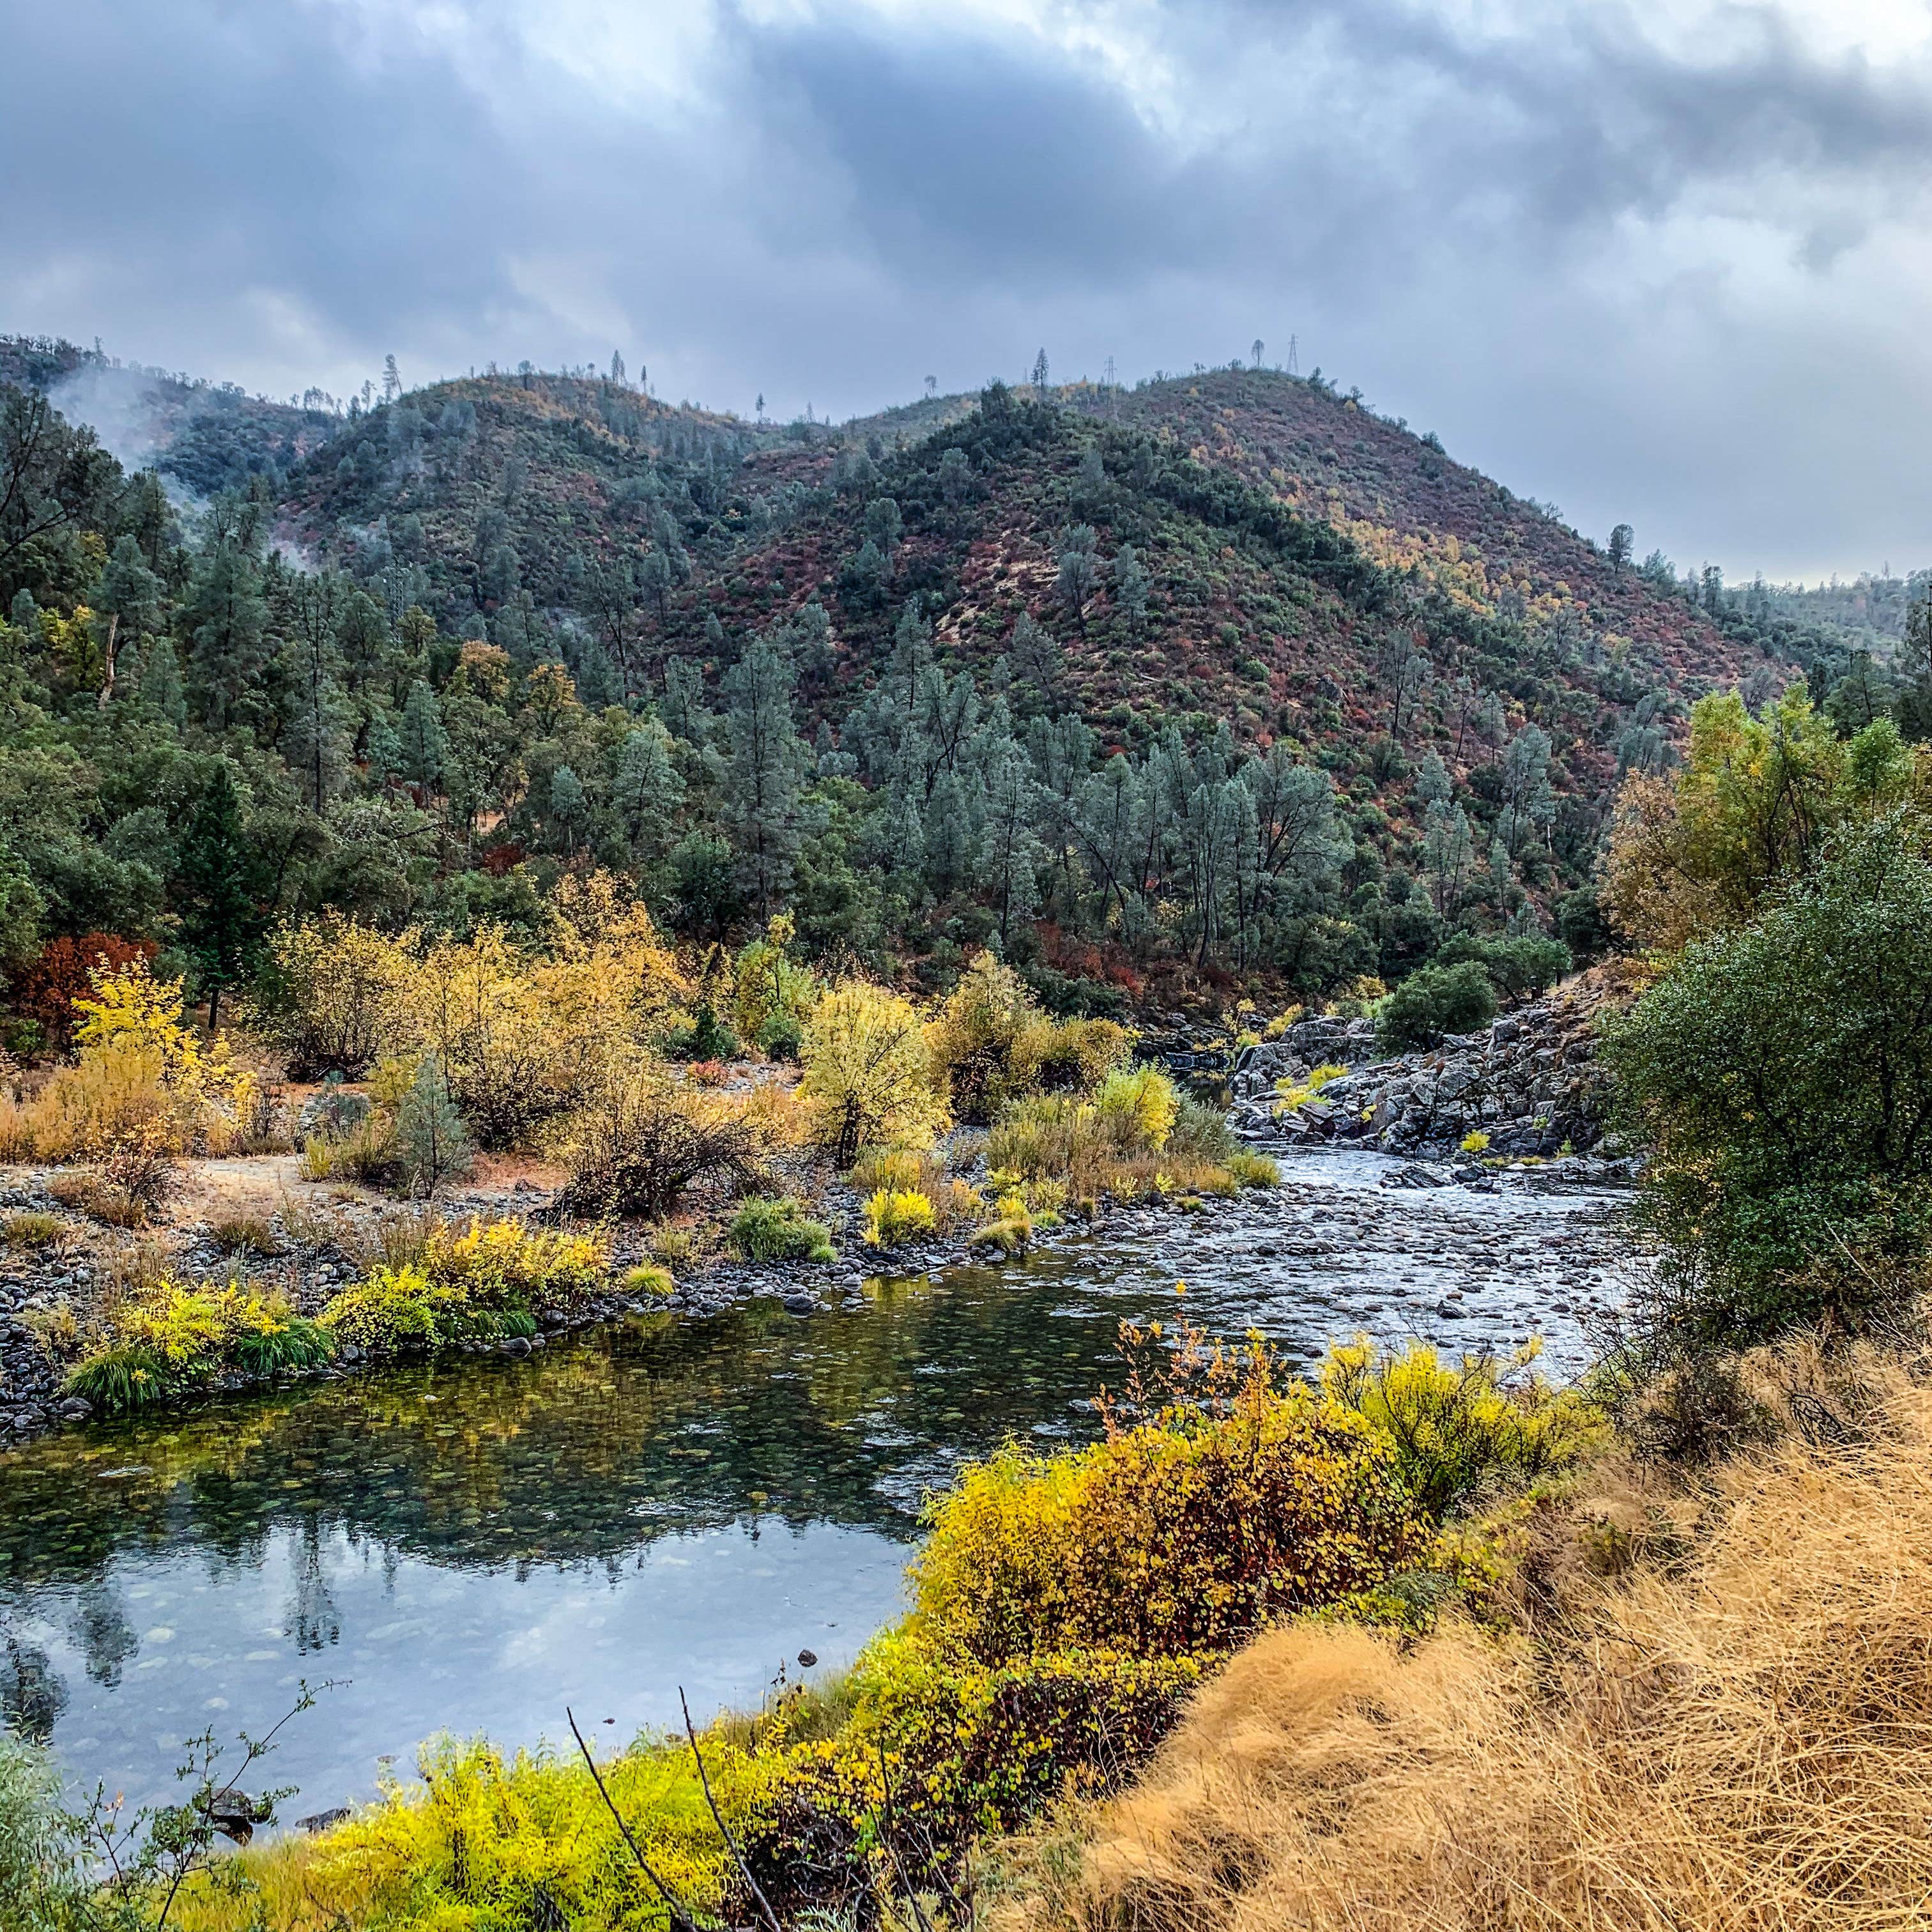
(988, 1041)
(867, 1072)
(895, 1216)
(907, 1170)
(1295, 1094)
(334, 995)
(1173, 1538)
(143, 1076)
(1140, 1105)
(1458, 1429)
(524, 1035)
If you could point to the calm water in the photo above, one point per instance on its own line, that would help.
(677, 1502)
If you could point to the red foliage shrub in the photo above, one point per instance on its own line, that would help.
(46, 990)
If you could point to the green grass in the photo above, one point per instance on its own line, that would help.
(778, 1231)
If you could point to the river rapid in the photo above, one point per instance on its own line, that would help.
(678, 1502)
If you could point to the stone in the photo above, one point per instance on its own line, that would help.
(800, 1304)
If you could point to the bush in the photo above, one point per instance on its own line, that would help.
(526, 1841)
(1783, 1073)
(772, 995)
(868, 1074)
(971, 1753)
(1459, 1431)
(918, 1170)
(987, 1041)
(991, 1045)
(1529, 964)
(1139, 1107)
(778, 1231)
(334, 994)
(172, 1341)
(490, 1279)
(1253, 1170)
(1172, 1538)
(44, 991)
(894, 1217)
(369, 1153)
(645, 1140)
(32, 1230)
(1202, 1131)
(243, 1230)
(704, 1037)
(1434, 1001)
(525, 1034)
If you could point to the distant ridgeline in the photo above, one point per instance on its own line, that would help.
(1220, 684)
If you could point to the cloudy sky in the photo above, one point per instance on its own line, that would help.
(1665, 263)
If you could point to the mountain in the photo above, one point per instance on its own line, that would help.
(1221, 678)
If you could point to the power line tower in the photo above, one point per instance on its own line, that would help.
(1107, 377)
(1294, 361)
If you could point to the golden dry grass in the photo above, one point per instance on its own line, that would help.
(1737, 1735)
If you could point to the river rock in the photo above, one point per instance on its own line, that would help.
(1529, 1081)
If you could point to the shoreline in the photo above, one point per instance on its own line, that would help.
(805, 1288)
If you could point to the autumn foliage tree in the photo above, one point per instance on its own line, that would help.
(867, 1073)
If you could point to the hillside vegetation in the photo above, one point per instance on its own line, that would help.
(1220, 687)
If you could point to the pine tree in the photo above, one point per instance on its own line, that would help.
(222, 883)
(648, 790)
(425, 743)
(431, 1132)
(227, 618)
(761, 802)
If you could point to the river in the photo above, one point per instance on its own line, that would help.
(676, 1502)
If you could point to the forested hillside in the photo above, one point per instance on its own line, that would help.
(1218, 683)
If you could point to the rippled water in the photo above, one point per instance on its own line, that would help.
(678, 1502)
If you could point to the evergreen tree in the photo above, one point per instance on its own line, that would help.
(430, 1132)
(648, 790)
(425, 743)
(161, 682)
(222, 882)
(227, 616)
(1131, 585)
(762, 799)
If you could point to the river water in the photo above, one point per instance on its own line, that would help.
(677, 1502)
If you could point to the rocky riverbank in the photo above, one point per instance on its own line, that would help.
(1527, 1087)
(67, 1279)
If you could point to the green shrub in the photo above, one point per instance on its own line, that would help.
(1529, 963)
(706, 1037)
(778, 1231)
(647, 1280)
(1783, 1075)
(894, 1216)
(171, 1341)
(482, 1283)
(1436, 1000)
(32, 1230)
(1202, 1131)
(1253, 1170)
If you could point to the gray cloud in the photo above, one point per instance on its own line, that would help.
(1681, 282)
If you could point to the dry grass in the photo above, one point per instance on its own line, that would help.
(1736, 1734)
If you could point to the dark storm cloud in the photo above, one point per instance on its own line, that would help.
(1681, 282)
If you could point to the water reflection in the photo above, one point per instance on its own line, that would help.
(477, 1542)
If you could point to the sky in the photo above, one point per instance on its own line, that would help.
(1669, 264)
